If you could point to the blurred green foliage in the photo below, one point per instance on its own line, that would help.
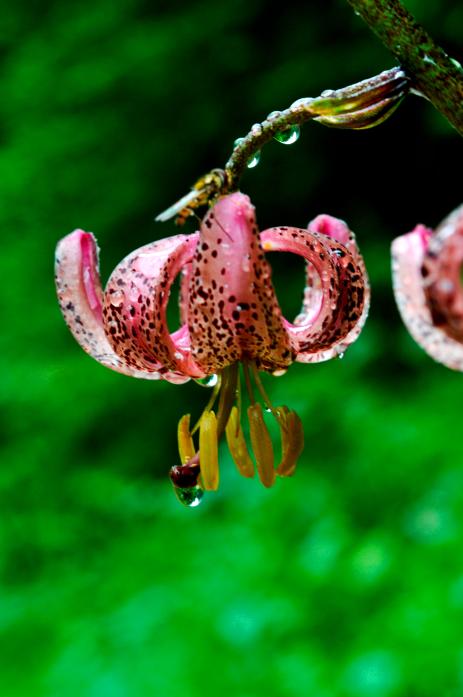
(346, 581)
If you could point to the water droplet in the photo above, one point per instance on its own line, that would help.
(273, 115)
(117, 298)
(445, 285)
(178, 356)
(254, 160)
(278, 373)
(256, 128)
(208, 381)
(190, 497)
(288, 136)
(326, 94)
(300, 102)
(455, 63)
(340, 355)
(246, 264)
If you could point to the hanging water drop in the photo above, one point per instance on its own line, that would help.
(288, 136)
(208, 381)
(280, 371)
(190, 497)
(254, 160)
(340, 356)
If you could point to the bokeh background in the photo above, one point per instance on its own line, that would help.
(345, 581)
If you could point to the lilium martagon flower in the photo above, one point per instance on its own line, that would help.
(426, 271)
(231, 326)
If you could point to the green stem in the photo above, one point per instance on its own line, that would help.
(432, 72)
(362, 105)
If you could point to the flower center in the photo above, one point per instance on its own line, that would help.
(199, 468)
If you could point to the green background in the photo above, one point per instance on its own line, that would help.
(345, 581)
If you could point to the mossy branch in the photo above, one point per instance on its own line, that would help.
(432, 72)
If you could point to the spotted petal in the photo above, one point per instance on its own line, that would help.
(81, 300)
(233, 313)
(338, 230)
(135, 304)
(335, 299)
(426, 276)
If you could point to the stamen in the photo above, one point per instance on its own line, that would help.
(209, 451)
(237, 445)
(186, 446)
(261, 445)
(247, 379)
(292, 440)
(227, 396)
(261, 388)
(239, 403)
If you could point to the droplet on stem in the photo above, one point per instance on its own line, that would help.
(254, 160)
(289, 135)
(299, 102)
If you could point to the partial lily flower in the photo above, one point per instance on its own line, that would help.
(426, 268)
(230, 317)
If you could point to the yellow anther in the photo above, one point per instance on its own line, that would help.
(292, 440)
(186, 447)
(209, 451)
(261, 445)
(237, 445)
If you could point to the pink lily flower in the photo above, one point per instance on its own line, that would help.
(426, 269)
(229, 316)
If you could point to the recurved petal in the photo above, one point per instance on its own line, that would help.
(135, 304)
(80, 297)
(441, 272)
(412, 254)
(233, 312)
(338, 230)
(334, 298)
